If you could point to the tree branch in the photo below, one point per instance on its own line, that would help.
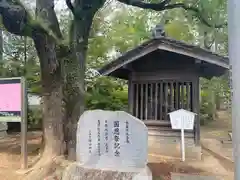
(70, 5)
(153, 6)
(47, 15)
(197, 12)
(15, 18)
(165, 5)
(18, 21)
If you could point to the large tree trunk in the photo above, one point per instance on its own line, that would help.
(52, 97)
(74, 82)
(60, 122)
(75, 67)
(18, 21)
(51, 77)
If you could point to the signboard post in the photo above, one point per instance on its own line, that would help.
(182, 120)
(13, 108)
(24, 123)
(183, 144)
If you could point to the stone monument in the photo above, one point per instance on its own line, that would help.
(110, 145)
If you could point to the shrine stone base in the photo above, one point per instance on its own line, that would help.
(160, 146)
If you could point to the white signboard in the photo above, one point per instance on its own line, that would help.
(111, 140)
(182, 119)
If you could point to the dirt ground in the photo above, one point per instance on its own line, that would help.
(209, 165)
(10, 166)
(10, 154)
(10, 158)
(213, 163)
(163, 170)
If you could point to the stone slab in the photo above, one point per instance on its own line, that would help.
(112, 140)
(76, 171)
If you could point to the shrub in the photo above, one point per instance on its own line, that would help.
(34, 117)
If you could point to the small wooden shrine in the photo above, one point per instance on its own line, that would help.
(163, 76)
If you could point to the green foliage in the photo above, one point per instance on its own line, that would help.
(106, 93)
(34, 117)
(129, 28)
(13, 64)
(214, 93)
(207, 110)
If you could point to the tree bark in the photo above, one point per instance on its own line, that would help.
(18, 21)
(51, 77)
(60, 122)
(74, 82)
(75, 67)
(52, 97)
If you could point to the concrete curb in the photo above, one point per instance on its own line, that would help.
(226, 161)
(206, 147)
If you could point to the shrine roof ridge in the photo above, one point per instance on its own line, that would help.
(165, 44)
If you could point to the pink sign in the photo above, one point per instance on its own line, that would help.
(10, 97)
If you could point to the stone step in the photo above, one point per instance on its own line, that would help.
(154, 128)
(158, 123)
(177, 176)
(170, 134)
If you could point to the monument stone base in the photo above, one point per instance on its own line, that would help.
(76, 171)
(171, 146)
